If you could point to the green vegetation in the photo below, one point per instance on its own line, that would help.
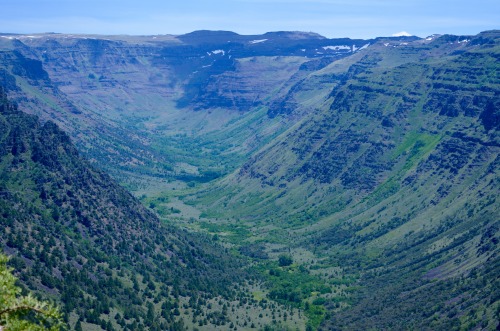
(23, 313)
(285, 260)
(294, 285)
(108, 260)
(233, 233)
(279, 192)
(393, 180)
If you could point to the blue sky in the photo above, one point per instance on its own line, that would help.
(331, 18)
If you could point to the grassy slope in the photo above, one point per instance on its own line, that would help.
(397, 177)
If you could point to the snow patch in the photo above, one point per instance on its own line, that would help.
(386, 44)
(336, 48)
(219, 51)
(303, 49)
(257, 41)
(429, 38)
(364, 46)
(463, 41)
(402, 34)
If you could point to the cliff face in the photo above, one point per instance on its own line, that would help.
(143, 94)
(388, 114)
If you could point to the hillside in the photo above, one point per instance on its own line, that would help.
(393, 178)
(351, 183)
(79, 238)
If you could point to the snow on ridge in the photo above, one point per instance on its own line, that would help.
(364, 46)
(217, 51)
(402, 34)
(257, 41)
(432, 37)
(31, 36)
(336, 48)
(21, 37)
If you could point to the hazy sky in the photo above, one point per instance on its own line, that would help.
(331, 18)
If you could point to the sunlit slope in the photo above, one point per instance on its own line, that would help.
(394, 178)
(380, 126)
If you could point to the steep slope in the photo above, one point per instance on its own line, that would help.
(394, 179)
(79, 238)
(380, 106)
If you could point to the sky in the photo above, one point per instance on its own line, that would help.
(330, 18)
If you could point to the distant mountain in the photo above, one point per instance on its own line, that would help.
(222, 37)
(211, 37)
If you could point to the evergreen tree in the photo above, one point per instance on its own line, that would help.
(78, 326)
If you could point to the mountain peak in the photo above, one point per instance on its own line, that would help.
(209, 36)
(402, 34)
(294, 35)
